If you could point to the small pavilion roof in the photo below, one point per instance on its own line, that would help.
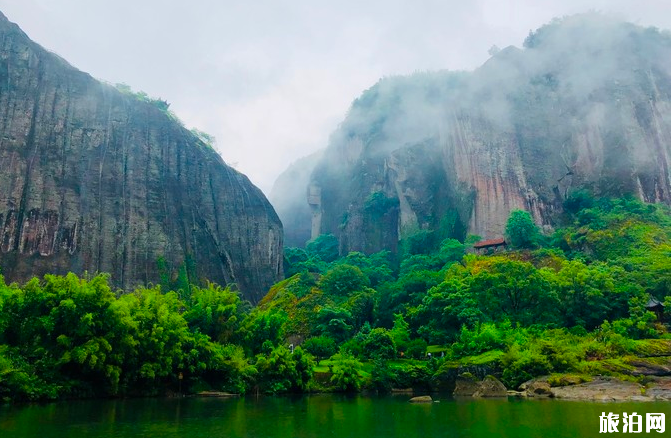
(491, 242)
(653, 303)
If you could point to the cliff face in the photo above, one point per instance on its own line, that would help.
(586, 104)
(288, 196)
(95, 180)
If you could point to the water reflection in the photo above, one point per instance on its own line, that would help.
(313, 416)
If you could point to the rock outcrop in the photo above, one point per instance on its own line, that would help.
(612, 389)
(539, 389)
(601, 388)
(288, 196)
(585, 105)
(421, 399)
(467, 385)
(92, 179)
(491, 387)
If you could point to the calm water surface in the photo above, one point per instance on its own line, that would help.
(316, 416)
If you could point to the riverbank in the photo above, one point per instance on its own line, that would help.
(600, 388)
(336, 415)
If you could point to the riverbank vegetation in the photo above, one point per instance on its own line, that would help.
(572, 304)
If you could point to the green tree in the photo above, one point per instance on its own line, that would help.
(521, 231)
(590, 294)
(298, 260)
(343, 280)
(320, 346)
(215, 312)
(379, 344)
(159, 345)
(451, 250)
(407, 292)
(262, 326)
(445, 309)
(416, 349)
(376, 267)
(68, 330)
(334, 322)
(324, 246)
(382, 377)
(418, 242)
(284, 371)
(346, 372)
(400, 333)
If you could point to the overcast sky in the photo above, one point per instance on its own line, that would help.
(271, 79)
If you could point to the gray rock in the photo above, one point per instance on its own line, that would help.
(601, 388)
(421, 399)
(289, 200)
(539, 389)
(491, 387)
(93, 179)
(465, 385)
(659, 388)
(407, 158)
(644, 367)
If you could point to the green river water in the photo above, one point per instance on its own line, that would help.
(318, 416)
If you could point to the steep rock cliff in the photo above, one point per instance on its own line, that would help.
(288, 196)
(95, 180)
(585, 104)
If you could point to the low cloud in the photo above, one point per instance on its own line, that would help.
(272, 79)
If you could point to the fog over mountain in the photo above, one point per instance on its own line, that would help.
(585, 104)
(270, 80)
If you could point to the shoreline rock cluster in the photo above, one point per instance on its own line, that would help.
(466, 385)
(599, 388)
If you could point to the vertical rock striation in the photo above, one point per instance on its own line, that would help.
(95, 180)
(585, 105)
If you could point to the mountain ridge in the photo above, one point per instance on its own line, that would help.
(96, 180)
(584, 105)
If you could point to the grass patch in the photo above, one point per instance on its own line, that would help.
(568, 379)
(618, 366)
(437, 349)
(652, 347)
(608, 367)
(400, 363)
(482, 359)
(656, 360)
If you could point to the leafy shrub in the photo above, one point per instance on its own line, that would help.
(567, 379)
(419, 242)
(353, 347)
(379, 344)
(479, 340)
(377, 204)
(521, 365)
(411, 376)
(334, 322)
(284, 371)
(382, 377)
(320, 346)
(324, 246)
(346, 373)
(343, 280)
(416, 349)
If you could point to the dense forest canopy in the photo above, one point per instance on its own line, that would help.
(572, 302)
